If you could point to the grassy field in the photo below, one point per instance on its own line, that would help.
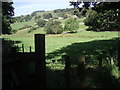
(54, 42)
(62, 44)
(84, 43)
(19, 25)
(57, 42)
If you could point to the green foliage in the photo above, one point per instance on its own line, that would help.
(37, 18)
(6, 29)
(8, 45)
(21, 18)
(41, 23)
(83, 12)
(65, 16)
(32, 29)
(33, 14)
(13, 31)
(91, 19)
(7, 12)
(27, 17)
(77, 13)
(80, 13)
(104, 19)
(71, 24)
(115, 71)
(47, 16)
(63, 10)
(19, 25)
(53, 27)
(107, 21)
(25, 26)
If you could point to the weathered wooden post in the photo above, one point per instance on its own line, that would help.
(100, 58)
(81, 67)
(23, 48)
(101, 74)
(40, 60)
(67, 70)
(30, 49)
(100, 62)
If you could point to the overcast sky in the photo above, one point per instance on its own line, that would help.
(27, 7)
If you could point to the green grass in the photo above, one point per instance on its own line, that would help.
(54, 42)
(58, 42)
(81, 19)
(18, 25)
(82, 43)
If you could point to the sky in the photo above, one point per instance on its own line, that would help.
(27, 7)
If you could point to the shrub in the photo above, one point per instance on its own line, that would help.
(53, 27)
(37, 17)
(32, 29)
(13, 31)
(33, 14)
(106, 21)
(47, 16)
(91, 19)
(27, 17)
(41, 23)
(25, 26)
(71, 25)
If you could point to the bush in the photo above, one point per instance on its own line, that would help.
(53, 27)
(32, 29)
(25, 26)
(27, 17)
(41, 23)
(13, 31)
(71, 25)
(33, 14)
(37, 17)
(107, 21)
(91, 19)
(47, 16)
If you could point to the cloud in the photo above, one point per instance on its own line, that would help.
(22, 8)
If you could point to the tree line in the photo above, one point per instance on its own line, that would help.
(103, 16)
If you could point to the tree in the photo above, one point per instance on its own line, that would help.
(37, 17)
(33, 14)
(91, 19)
(71, 25)
(27, 17)
(7, 13)
(41, 23)
(80, 13)
(107, 17)
(53, 27)
(47, 16)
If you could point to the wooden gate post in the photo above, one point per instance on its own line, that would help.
(67, 70)
(100, 62)
(23, 48)
(81, 67)
(40, 60)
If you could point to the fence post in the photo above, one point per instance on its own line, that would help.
(81, 67)
(30, 49)
(40, 60)
(23, 48)
(67, 70)
(100, 62)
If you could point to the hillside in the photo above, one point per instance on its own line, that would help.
(30, 21)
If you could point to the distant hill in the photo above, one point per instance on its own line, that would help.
(39, 11)
(28, 23)
(39, 14)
